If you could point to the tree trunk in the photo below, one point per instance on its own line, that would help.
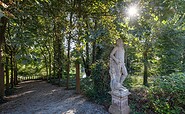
(7, 74)
(12, 70)
(77, 78)
(62, 60)
(68, 49)
(15, 72)
(87, 67)
(94, 52)
(1, 78)
(183, 61)
(59, 60)
(3, 22)
(145, 76)
(68, 61)
(54, 59)
(46, 64)
(50, 64)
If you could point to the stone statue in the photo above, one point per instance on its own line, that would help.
(118, 71)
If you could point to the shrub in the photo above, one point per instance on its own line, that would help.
(96, 87)
(167, 95)
(133, 81)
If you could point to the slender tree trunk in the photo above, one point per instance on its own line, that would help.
(46, 64)
(62, 58)
(68, 62)
(7, 74)
(46, 68)
(77, 78)
(183, 61)
(15, 72)
(54, 58)
(59, 61)
(55, 45)
(7, 61)
(7, 68)
(87, 67)
(12, 70)
(68, 50)
(94, 52)
(1, 78)
(50, 64)
(1, 74)
(145, 76)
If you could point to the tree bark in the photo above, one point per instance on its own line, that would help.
(49, 64)
(77, 78)
(12, 70)
(183, 61)
(87, 67)
(3, 21)
(54, 58)
(68, 61)
(7, 73)
(68, 48)
(94, 52)
(59, 60)
(145, 76)
(15, 72)
(1, 78)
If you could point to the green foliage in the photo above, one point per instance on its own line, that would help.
(133, 81)
(97, 86)
(170, 47)
(41, 28)
(167, 95)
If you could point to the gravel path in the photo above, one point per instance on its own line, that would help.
(40, 97)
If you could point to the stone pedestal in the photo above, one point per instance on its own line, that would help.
(119, 102)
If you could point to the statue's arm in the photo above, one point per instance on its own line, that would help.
(112, 55)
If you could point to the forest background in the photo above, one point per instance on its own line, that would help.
(48, 38)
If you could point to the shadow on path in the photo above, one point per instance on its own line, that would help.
(40, 97)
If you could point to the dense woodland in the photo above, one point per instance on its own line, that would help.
(55, 40)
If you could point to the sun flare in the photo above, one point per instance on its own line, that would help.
(132, 11)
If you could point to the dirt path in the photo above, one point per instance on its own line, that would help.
(39, 97)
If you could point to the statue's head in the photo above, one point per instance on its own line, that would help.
(119, 42)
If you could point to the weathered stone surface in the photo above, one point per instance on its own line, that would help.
(115, 110)
(118, 73)
(119, 103)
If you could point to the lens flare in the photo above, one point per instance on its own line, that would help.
(132, 11)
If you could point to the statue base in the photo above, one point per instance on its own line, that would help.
(119, 102)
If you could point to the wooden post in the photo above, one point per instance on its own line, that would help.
(77, 78)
